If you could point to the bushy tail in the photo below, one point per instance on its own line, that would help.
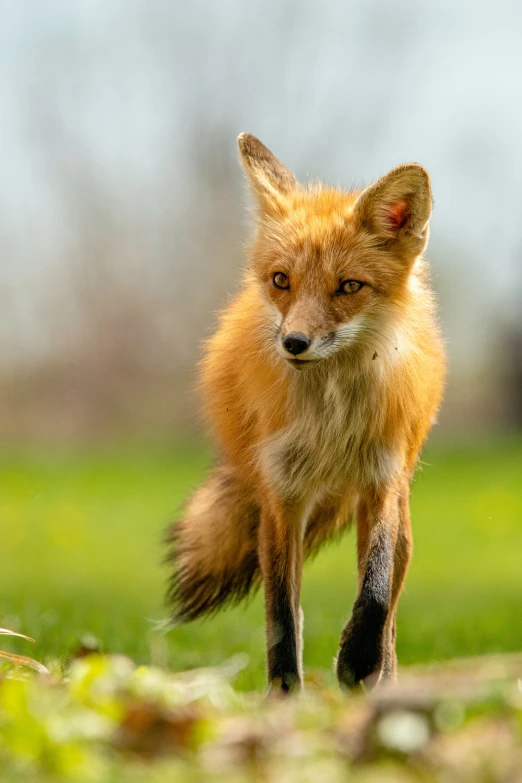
(213, 548)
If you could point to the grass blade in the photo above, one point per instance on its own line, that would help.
(24, 660)
(7, 632)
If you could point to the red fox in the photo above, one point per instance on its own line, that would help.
(321, 384)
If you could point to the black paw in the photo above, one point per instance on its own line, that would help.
(360, 660)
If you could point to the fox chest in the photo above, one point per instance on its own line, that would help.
(336, 441)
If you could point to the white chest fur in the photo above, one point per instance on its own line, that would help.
(334, 435)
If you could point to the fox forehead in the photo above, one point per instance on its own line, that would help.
(313, 217)
(321, 202)
(316, 237)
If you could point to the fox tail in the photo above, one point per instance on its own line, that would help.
(213, 548)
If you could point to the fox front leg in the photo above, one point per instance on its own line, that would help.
(365, 639)
(281, 560)
(402, 557)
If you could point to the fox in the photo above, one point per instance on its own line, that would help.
(320, 386)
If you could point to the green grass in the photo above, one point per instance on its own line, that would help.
(80, 552)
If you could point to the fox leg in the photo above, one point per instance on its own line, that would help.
(402, 557)
(281, 559)
(365, 639)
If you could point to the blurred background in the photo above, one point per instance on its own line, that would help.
(122, 229)
(122, 200)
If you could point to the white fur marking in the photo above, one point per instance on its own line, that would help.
(348, 332)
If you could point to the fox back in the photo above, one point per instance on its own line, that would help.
(322, 380)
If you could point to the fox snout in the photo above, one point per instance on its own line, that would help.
(296, 343)
(299, 337)
(297, 348)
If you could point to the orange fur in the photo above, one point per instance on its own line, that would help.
(308, 441)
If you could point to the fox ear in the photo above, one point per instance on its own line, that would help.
(270, 180)
(397, 208)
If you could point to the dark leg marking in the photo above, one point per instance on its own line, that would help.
(282, 643)
(281, 557)
(363, 640)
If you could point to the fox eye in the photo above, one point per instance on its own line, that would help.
(349, 287)
(280, 280)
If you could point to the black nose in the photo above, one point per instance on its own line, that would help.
(295, 343)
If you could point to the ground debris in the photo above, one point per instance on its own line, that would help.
(460, 721)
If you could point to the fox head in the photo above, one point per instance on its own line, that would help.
(331, 265)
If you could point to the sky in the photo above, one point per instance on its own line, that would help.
(119, 126)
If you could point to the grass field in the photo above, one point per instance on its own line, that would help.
(80, 552)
